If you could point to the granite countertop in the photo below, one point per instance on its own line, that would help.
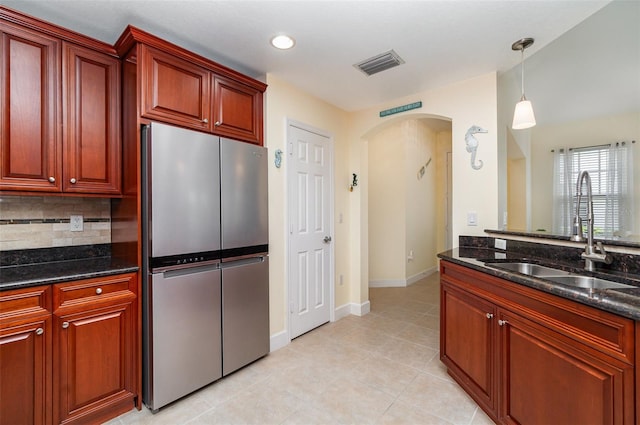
(25, 268)
(625, 302)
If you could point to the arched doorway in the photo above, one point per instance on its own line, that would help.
(409, 201)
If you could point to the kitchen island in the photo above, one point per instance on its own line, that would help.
(533, 351)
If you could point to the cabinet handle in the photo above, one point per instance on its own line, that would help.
(39, 331)
(52, 179)
(99, 291)
(489, 315)
(73, 181)
(205, 120)
(65, 325)
(217, 123)
(502, 322)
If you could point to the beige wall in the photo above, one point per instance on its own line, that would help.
(517, 194)
(402, 207)
(28, 222)
(387, 204)
(420, 202)
(443, 146)
(285, 102)
(624, 127)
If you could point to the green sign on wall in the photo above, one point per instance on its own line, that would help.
(398, 109)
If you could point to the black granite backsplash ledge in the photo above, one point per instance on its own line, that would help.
(21, 257)
(563, 255)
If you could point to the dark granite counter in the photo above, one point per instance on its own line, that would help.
(25, 268)
(625, 302)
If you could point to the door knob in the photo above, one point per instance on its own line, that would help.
(327, 239)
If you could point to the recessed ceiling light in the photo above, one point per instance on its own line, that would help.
(282, 42)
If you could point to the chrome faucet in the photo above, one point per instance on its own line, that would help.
(589, 254)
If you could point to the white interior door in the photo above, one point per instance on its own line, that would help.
(310, 229)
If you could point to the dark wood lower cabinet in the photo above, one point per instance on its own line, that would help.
(69, 352)
(93, 361)
(547, 379)
(527, 357)
(25, 356)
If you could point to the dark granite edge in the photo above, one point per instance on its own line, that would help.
(26, 283)
(610, 242)
(625, 302)
(21, 257)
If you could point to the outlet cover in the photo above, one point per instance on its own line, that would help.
(76, 223)
(500, 244)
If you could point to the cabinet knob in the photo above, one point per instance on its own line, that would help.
(65, 325)
(52, 179)
(489, 315)
(502, 322)
(73, 181)
(39, 331)
(98, 291)
(217, 123)
(205, 120)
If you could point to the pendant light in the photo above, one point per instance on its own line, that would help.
(523, 116)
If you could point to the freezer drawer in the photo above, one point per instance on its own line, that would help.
(185, 349)
(245, 312)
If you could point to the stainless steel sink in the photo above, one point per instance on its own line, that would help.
(588, 282)
(530, 269)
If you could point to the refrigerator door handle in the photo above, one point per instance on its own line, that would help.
(183, 271)
(242, 261)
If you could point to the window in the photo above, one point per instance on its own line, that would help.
(611, 175)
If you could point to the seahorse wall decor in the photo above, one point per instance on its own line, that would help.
(472, 145)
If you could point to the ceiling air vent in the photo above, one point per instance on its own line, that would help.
(379, 63)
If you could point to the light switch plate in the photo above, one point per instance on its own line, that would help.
(76, 223)
(472, 218)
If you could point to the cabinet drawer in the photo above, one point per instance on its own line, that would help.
(27, 302)
(93, 290)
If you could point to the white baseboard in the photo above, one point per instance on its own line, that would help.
(353, 308)
(279, 340)
(343, 311)
(402, 283)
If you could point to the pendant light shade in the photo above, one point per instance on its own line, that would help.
(523, 116)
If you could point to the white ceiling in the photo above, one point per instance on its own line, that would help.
(441, 41)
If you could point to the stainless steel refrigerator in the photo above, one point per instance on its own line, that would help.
(205, 260)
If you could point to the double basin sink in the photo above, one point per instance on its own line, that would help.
(559, 276)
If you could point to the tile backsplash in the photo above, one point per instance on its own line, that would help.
(28, 222)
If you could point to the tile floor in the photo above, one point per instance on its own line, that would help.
(381, 368)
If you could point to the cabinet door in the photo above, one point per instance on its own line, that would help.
(550, 379)
(174, 90)
(467, 343)
(91, 113)
(237, 110)
(25, 369)
(31, 151)
(94, 354)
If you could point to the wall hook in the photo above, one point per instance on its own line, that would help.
(354, 182)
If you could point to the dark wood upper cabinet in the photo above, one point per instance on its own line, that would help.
(31, 141)
(182, 88)
(91, 116)
(174, 90)
(60, 95)
(237, 110)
